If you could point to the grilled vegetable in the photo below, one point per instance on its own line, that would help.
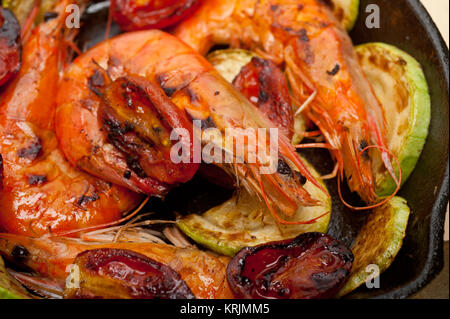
(311, 266)
(263, 83)
(346, 11)
(230, 62)
(23, 8)
(378, 241)
(244, 221)
(148, 14)
(400, 85)
(120, 273)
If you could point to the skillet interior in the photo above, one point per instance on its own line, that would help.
(407, 25)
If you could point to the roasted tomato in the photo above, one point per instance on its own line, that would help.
(151, 14)
(264, 84)
(138, 118)
(10, 45)
(311, 266)
(123, 274)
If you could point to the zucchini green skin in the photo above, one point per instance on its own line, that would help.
(214, 244)
(412, 139)
(5, 294)
(378, 241)
(346, 11)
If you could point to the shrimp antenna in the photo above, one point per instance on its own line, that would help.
(112, 6)
(28, 24)
(398, 181)
(275, 214)
(91, 228)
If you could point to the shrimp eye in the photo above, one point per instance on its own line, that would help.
(362, 147)
(313, 265)
(121, 273)
(19, 253)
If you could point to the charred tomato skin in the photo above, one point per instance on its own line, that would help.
(263, 83)
(121, 273)
(10, 45)
(138, 119)
(310, 266)
(132, 15)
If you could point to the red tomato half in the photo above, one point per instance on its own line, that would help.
(120, 273)
(263, 83)
(10, 45)
(311, 266)
(151, 14)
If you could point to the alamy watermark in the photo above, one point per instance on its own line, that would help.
(74, 276)
(373, 278)
(373, 17)
(74, 16)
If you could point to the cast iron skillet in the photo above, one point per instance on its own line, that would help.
(407, 25)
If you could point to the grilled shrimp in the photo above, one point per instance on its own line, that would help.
(204, 274)
(41, 192)
(114, 119)
(321, 65)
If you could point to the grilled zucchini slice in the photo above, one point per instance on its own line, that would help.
(400, 86)
(245, 221)
(378, 242)
(346, 11)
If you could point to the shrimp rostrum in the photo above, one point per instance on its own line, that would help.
(326, 80)
(120, 102)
